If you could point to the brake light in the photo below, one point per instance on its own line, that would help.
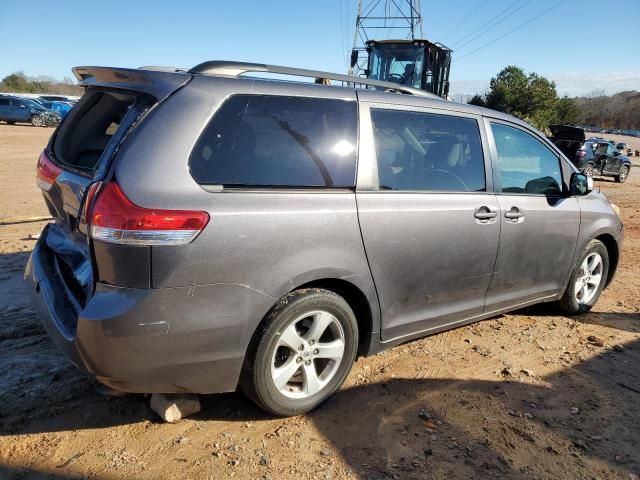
(114, 219)
(46, 172)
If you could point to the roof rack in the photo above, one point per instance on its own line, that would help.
(235, 69)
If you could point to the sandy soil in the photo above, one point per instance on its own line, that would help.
(528, 395)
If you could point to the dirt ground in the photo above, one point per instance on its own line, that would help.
(531, 394)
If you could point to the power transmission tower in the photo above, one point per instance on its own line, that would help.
(383, 19)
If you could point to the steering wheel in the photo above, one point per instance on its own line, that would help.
(451, 174)
(396, 77)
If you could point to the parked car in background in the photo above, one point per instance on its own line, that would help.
(62, 108)
(595, 156)
(24, 110)
(55, 98)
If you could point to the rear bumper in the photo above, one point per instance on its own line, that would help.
(187, 339)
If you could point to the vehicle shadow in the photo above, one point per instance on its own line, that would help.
(629, 322)
(579, 419)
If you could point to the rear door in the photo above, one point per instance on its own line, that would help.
(539, 221)
(428, 218)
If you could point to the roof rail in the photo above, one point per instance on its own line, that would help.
(235, 69)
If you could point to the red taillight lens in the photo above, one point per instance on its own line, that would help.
(46, 172)
(115, 219)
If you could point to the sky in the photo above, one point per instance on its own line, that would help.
(583, 45)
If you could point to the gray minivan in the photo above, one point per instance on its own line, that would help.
(214, 230)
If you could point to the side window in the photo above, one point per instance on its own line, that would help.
(259, 140)
(526, 165)
(4, 102)
(428, 152)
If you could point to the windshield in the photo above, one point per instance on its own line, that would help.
(397, 63)
(31, 103)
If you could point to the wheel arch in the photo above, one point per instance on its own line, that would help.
(358, 302)
(613, 251)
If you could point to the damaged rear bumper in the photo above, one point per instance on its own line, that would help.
(167, 340)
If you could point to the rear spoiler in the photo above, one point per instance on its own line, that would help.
(154, 82)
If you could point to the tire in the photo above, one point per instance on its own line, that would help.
(11, 123)
(623, 174)
(588, 169)
(268, 356)
(36, 121)
(576, 302)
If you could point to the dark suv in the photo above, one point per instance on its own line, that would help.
(594, 156)
(213, 230)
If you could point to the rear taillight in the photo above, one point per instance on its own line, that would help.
(115, 219)
(46, 172)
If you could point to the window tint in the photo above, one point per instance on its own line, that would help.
(425, 151)
(526, 165)
(4, 101)
(278, 141)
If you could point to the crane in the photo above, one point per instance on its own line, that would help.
(412, 61)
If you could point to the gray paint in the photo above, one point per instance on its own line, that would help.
(422, 260)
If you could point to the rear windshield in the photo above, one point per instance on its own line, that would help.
(275, 141)
(85, 134)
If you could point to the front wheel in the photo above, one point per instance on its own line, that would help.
(623, 174)
(587, 280)
(37, 121)
(588, 170)
(301, 353)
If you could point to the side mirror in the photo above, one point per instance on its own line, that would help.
(616, 153)
(580, 184)
(354, 57)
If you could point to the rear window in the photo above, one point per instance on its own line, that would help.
(264, 141)
(86, 133)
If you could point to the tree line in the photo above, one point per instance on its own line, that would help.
(534, 98)
(18, 82)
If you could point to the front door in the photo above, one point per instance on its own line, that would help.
(430, 226)
(540, 222)
(613, 160)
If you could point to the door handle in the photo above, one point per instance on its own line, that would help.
(485, 213)
(514, 213)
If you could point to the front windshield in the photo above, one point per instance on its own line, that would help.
(31, 103)
(397, 63)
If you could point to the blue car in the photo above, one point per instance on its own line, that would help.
(61, 107)
(16, 109)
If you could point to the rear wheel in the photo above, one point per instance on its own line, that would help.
(10, 123)
(623, 175)
(587, 280)
(302, 352)
(37, 121)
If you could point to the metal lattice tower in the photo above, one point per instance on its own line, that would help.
(380, 19)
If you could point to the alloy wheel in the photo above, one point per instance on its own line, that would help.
(589, 278)
(623, 174)
(308, 354)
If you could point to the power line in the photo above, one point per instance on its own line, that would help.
(490, 21)
(488, 29)
(475, 10)
(512, 30)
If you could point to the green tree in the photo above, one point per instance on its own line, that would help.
(16, 82)
(530, 97)
(567, 112)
